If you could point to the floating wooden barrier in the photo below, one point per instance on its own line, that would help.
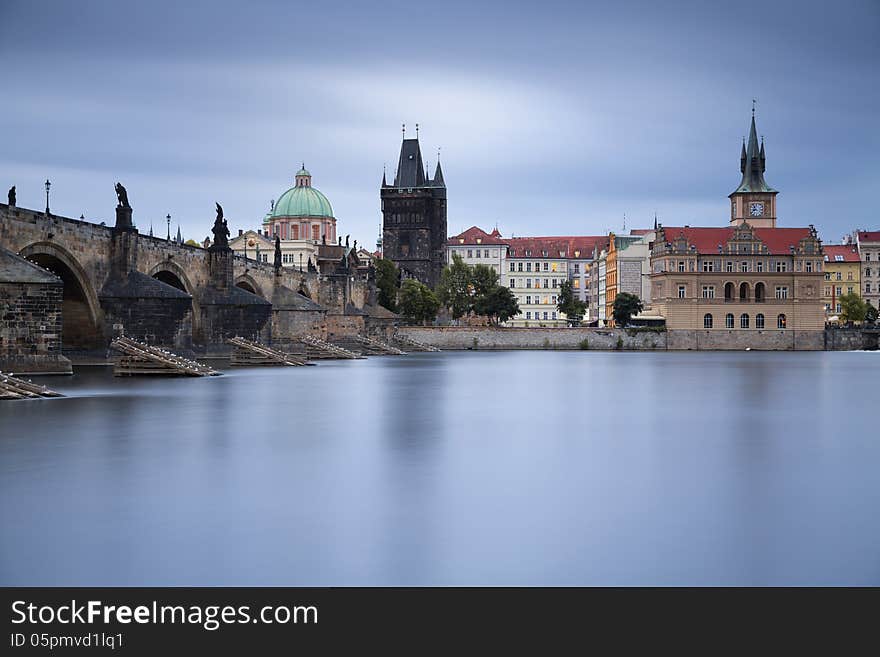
(318, 348)
(139, 358)
(378, 347)
(14, 388)
(413, 345)
(253, 353)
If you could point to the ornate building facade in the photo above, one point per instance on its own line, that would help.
(414, 217)
(750, 279)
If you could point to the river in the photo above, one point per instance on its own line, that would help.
(471, 468)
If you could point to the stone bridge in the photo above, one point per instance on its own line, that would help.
(189, 298)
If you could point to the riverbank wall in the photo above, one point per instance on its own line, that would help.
(463, 337)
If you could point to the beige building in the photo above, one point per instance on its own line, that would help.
(868, 243)
(749, 277)
(842, 270)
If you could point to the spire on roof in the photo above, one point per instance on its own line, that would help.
(752, 164)
(179, 237)
(410, 169)
(438, 176)
(655, 221)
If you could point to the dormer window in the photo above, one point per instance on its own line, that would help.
(479, 240)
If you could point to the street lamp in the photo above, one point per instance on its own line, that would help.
(48, 185)
(168, 222)
(300, 261)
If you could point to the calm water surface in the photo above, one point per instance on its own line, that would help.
(454, 468)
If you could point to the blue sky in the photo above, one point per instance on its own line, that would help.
(553, 117)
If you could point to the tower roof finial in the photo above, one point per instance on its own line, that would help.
(754, 101)
(403, 128)
(417, 130)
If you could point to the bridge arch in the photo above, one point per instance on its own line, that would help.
(81, 316)
(247, 283)
(171, 273)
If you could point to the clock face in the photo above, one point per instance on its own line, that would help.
(756, 209)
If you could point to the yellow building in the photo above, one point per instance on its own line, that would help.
(842, 276)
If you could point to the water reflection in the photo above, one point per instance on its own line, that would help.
(454, 468)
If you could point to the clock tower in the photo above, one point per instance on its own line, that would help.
(753, 201)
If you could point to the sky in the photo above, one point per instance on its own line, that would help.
(552, 118)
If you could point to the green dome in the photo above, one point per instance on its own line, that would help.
(302, 201)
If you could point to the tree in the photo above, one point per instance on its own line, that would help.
(192, 242)
(853, 308)
(498, 304)
(417, 302)
(483, 281)
(870, 313)
(625, 306)
(569, 304)
(387, 283)
(455, 287)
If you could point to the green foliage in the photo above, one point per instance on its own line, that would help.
(417, 302)
(853, 307)
(454, 288)
(584, 344)
(619, 344)
(569, 304)
(464, 289)
(498, 303)
(387, 282)
(192, 242)
(625, 306)
(870, 313)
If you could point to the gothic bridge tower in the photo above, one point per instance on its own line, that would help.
(414, 216)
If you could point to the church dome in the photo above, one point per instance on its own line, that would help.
(302, 200)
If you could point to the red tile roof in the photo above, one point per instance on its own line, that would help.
(869, 236)
(706, 240)
(472, 234)
(567, 244)
(848, 252)
(641, 231)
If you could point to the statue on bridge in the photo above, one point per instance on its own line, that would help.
(11, 196)
(220, 230)
(122, 196)
(278, 253)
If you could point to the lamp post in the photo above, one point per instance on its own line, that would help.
(300, 261)
(168, 223)
(48, 185)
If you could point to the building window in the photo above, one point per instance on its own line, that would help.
(781, 292)
(868, 272)
(528, 315)
(576, 283)
(744, 266)
(838, 309)
(839, 276)
(681, 265)
(546, 282)
(512, 285)
(744, 321)
(529, 299)
(839, 290)
(528, 282)
(809, 266)
(555, 301)
(512, 267)
(545, 314)
(528, 266)
(728, 320)
(577, 268)
(553, 315)
(759, 321)
(707, 321)
(780, 321)
(759, 293)
(519, 268)
(547, 266)
(708, 291)
(849, 290)
(849, 275)
(760, 266)
(486, 253)
(681, 291)
(708, 265)
(867, 288)
(728, 291)
(729, 266)
(827, 275)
